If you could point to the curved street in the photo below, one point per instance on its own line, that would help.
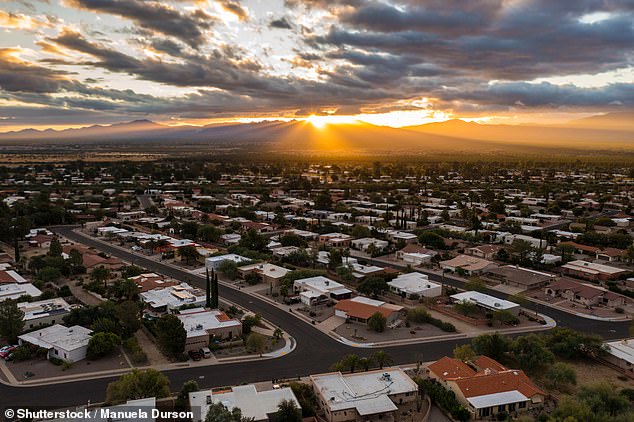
(315, 351)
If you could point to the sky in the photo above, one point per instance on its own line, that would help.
(72, 63)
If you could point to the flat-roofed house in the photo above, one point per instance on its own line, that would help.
(418, 284)
(415, 254)
(371, 396)
(270, 274)
(312, 289)
(203, 326)
(485, 301)
(621, 354)
(169, 299)
(260, 406)
(485, 387)
(69, 344)
(592, 271)
(44, 312)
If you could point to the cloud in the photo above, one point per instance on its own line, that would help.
(155, 16)
(280, 23)
(233, 6)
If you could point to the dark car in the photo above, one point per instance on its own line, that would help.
(194, 355)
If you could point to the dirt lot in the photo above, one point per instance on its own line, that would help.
(364, 334)
(42, 368)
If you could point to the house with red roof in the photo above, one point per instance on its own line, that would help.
(485, 387)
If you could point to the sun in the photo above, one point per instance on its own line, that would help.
(318, 122)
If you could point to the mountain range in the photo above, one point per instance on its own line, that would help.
(604, 132)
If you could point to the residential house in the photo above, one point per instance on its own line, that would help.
(486, 302)
(69, 344)
(468, 265)
(364, 396)
(44, 312)
(366, 243)
(620, 353)
(360, 309)
(335, 240)
(516, 276)
(483, 251)
(487, 387)
(592, 271)
(259, 406)
(214, 262)
(414, 285)
(584, 294)
(315, 289)
(270, 274)
(203, 326)
(166, 299)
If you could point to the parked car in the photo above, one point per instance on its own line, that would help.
(194, 355)
(10, 357)
(6, 351)
(205, 352)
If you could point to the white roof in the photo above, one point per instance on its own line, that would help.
(591, 267)
(16, 290)
(173, 296)
(252, 403)
(58, 336)
(319, 284)
(490, 302)
(497, 399)
(364, 391)
(44, 308)
(270, 270)
(198, 320)
(412, 283)
(622, 349)
(228, 257)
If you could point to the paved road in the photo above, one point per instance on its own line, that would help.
(315, 350)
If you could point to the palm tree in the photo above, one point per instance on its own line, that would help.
(287, 411)
(381, 358)
(365, 363)
(351, 362)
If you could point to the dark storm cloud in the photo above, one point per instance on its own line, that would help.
(281, 23)
(17, 75)
(155, 16)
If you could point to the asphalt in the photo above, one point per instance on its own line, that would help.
(315, 351)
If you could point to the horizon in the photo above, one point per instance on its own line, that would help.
(396, 63)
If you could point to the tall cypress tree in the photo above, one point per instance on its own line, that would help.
(215, 291)
(207, 292)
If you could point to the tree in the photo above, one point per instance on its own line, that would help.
(464, 353)
(104, 325)
(56, 248)
(373, 286)
(255, 342)
(475, 284)
(382, 359)
(11, 320)
(466, 307)
(209, 233)
(188, 253)
(306, 398)
(189, 230)
(351, 362)
(522, 249)
(603, 399)
(229, 269)
(431, 240)
(126, 289)
(505, 317)
(561, 375)
(287, 411)
(49, 274)
(182, 399)
(570, 344)
(138, 385)
(531, 352)
(76, 261)
(171, 335)
(494, 346)
(377, 322)
(127, 314)
(100, 274)
(218, 412)
(254, 241)
(102, 344)
(334, 259)
(250, 321)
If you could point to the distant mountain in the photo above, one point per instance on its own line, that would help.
(612, 131)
